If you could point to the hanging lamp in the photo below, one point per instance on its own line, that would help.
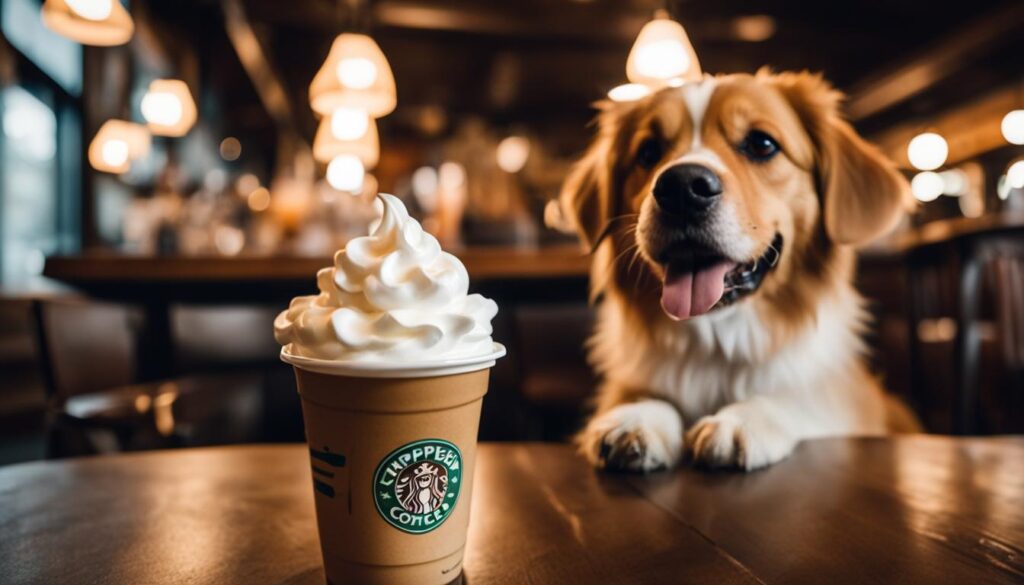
(662, 53)
(347, 131)
(117, 144)
(168, 108)
(101, 23)
(355, 75)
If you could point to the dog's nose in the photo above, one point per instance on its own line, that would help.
(687, 189)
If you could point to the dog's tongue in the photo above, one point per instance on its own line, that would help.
(689, 292)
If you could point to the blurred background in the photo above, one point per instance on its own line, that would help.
(172, 173)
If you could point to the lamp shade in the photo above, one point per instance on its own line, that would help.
(168, 108)
(355, 75)
(101, 23)
(629, 92)
(117, 144)
(662, 52)
(347, 131)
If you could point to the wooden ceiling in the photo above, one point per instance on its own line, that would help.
(540, 63)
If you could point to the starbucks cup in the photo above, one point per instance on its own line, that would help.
(392, 449)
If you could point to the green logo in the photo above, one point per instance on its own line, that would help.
(417, 485)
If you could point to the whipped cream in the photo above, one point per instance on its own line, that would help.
(393, 295)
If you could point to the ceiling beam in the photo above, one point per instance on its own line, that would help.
(970, 130)
(939, 61)
(617, 27)
(607, 23)
(269, 88)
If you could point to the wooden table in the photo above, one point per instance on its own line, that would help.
(156, 283)
(909, 510)
(212, 278)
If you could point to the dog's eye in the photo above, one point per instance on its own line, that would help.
(759, 146)
(649, 153)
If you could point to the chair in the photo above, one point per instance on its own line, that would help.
(88, 353)
(965, 287)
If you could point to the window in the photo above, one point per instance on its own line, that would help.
(40, 143)
(58, 57)
(29, 203)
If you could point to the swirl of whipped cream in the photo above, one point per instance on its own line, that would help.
(393, 295)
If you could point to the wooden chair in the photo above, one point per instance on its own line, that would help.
(965, 283)
(87, 350)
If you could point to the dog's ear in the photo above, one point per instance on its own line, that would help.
(863, 194)
(586, 202)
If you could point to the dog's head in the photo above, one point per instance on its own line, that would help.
(737, 186)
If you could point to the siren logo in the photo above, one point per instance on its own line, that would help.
(417, 485)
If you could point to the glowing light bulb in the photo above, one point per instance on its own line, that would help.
(451, 176)
(91, 9)
(424, 182)
(927, 151)
(366, 145)
(927, 186)
(346, 173)
(115, 152)
(954, 182)
(259, 199)
(513, 153)
(247, 183)
(357, 72)
(168, 107)
(628, 92)
(349, 123)
(117, 143)
(754, 28)
(663, 59)
(1015, 175)
(162, 108)
(1013, 127)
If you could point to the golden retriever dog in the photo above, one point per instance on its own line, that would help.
(724, 216)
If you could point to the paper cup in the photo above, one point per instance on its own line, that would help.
(392, 452)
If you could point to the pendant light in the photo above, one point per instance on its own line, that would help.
(355, 75)
(117, 144)
(347, 131)
(927, 151)
(927, 186)
(346, 173)
(168, 108)
(1012, 127)
(662, 53)
(101, 23)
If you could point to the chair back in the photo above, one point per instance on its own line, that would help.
(218, 337)
(85, 346)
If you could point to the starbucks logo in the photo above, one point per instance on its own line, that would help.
(417, 485)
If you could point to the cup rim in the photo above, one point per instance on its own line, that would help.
(421, 369)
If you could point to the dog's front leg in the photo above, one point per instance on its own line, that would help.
(759, 431)
(641, 436)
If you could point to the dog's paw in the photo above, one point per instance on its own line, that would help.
(637, 437)
(726, 440)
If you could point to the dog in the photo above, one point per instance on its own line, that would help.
(723, 217)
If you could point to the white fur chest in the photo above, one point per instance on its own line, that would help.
(729, 355)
